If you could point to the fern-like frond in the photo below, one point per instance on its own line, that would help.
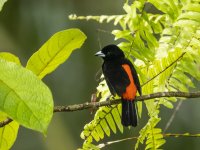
(165, 49)
(176, 58)
(169, 7)
(106, 119)
(89, 146)
(116, 19)
(152, 134)
(158, 73)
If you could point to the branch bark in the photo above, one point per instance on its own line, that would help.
(88, 105)
(5, 122)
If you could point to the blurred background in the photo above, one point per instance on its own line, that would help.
(25, 25)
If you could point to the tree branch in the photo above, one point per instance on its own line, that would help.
(5, 122)
(88, 105)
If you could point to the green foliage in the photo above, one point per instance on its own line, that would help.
(106, 119)
(153, 134)
(10, 57)
(166, 49)
(23, 96)
(2, 3)
(55, 51)
(8, 133)
(31, 107)
(100, 19)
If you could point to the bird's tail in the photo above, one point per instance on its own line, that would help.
(129, 113)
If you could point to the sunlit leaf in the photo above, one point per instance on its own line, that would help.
(10, 57)
(100, 131)
(8, 133)
(195, 16)
(2, 3)
(24, 97)
(95, 135)
(111, 122)
(105, 127)
(55, 51)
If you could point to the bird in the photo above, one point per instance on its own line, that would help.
(122, 80)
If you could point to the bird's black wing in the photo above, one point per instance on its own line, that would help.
(116, 77)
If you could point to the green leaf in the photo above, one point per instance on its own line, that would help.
(117, 19)
(111, 122)
(55, 51)
(125, 34)
(2, 2)
(8, 133)
(192, 7)
(103, 123)
(195, 16)
(160, 142)
(160, 5)
(184, 23)
(139, 108)
(117, 118)
(95, 135)
(166, 103)
(89, 146)
(10, 57)
(178, 85)
(24, 97)
(105, 127)
(100, 131)
(182, 77)
(84, 133)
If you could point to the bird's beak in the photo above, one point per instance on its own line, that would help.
(100, 54)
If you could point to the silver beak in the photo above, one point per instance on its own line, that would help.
(100, 54)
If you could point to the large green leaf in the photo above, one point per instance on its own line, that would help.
(10, 57)
(55, 51)
(8, 133)
(24, 97)
(2, 3)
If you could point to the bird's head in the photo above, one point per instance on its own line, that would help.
(110, 52)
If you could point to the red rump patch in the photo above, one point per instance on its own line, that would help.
(131, 89)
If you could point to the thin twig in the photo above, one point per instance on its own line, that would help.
(116, 141)
(172, 116)
(165, 68)
(164, 135)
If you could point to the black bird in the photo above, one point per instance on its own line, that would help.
(122, 79)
